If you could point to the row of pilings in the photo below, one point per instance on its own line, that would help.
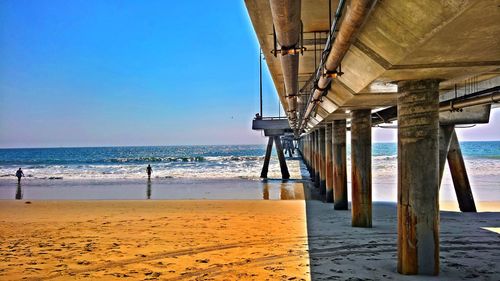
(324, 153)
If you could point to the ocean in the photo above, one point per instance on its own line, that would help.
(229, 165)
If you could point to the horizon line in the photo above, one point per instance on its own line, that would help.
(170, 145)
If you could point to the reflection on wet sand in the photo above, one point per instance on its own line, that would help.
(148, 191)
(19, 192)
(288, 190)
(265, 190)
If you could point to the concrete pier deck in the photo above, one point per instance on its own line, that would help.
(426, 64)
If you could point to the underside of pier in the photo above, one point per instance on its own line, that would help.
(351, 65)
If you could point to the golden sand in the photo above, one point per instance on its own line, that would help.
(154, 240)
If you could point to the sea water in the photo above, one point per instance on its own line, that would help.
(203, 161)
(199, 167)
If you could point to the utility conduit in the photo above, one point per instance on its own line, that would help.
(287, 25)
(355, 17)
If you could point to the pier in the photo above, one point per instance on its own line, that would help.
(350, 65)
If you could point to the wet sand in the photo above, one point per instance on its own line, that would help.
(153, 240)
(156, 189)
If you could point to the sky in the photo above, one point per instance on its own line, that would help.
(112, 73)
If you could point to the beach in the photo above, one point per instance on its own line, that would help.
(227, 240)
(249, 140)
(153, 240)
(233, 228)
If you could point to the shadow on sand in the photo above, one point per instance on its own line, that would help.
(338, 251)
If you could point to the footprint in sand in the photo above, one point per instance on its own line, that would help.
(153, 274)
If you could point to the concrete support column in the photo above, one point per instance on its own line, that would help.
(339, 165)
(267, 158)
(309, 151)
(322, 162)
(418, 177)
(305, 148)
(317, 165)
(444, 145)
(329, 163)
(361, 163)
(313, 156)
(281, 157)
(459, 176)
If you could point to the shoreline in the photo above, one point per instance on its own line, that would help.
(384, 189)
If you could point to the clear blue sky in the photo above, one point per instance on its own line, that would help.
(97, 72)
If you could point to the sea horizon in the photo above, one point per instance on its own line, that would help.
(168, 145)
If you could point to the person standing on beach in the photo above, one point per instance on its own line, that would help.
(19, 175)
(149, 170)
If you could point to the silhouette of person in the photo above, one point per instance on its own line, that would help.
(149, 170)
(19, 175)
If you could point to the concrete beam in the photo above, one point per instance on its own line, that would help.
(261, 124)
(469, 115)
(273, 132)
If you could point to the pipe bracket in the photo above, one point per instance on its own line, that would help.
(288, 51)
(316, 87)
(332, 73)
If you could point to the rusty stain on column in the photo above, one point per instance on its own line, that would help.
(418, 177)
(459, 176)
(329, 163)
(339, 165)
(322, 162)
(361, 163)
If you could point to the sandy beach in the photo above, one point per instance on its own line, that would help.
(153, 240)
(218, 236)
(228, 240)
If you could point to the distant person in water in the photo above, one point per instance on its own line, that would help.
(19, 175)
(149, 170)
